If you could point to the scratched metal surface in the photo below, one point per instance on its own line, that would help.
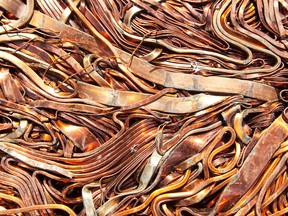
(143, 107)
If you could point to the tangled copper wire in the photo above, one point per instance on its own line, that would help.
(143, 107)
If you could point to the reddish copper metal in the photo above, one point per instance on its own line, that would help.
(143, 107)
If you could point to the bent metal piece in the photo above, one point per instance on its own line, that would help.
(199, 83)
(34, 163)
(32, 208)
(88, 199)
(143, 107)
(28, 12)
(147, 71)
(165, 104)
(254, 164)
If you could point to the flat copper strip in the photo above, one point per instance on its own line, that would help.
(147, 71)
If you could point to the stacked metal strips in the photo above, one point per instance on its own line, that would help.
(143, 107)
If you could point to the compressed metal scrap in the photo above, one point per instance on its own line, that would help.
(143, 107)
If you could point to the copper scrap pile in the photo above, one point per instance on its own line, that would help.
(143, 107)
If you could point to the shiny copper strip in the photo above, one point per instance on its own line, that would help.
(143, 107)
(166, 78)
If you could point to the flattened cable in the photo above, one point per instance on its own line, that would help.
(32, 75)
(219, 16)
(158, 76)
(262, 38)
(179, 50)
(174, 185)
(145, 178)
(34, 163)
(38, 207)
(111, 49)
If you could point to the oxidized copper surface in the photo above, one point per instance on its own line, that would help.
(143, 107)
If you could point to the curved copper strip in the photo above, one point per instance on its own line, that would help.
(34, 163)
(152, 77)
(206, 152)
(252, 191)
(126, 138)
(192, 192)
(33, 189)
(166, 104)
(12, 198)
(279, 127)
(24, 19)
(268, 182)
(231, 163)
(32, 75)
(170, 187)
(38, 207)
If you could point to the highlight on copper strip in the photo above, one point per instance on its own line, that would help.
(143, 107)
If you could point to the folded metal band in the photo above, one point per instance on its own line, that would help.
(255, 162)
(147, 71)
